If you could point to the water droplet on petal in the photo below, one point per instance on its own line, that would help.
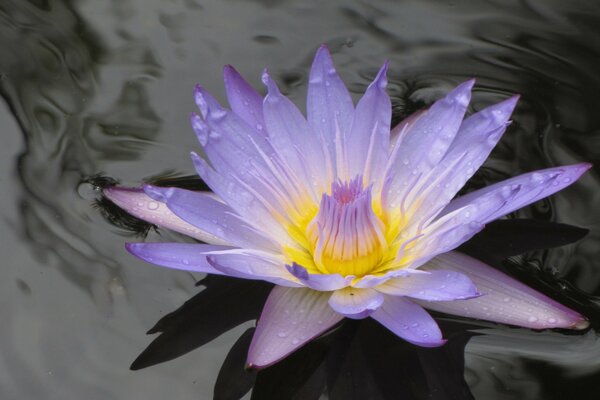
(282, 334)
(552, 320)
(152, 205)
(532, 319)
(295, 341)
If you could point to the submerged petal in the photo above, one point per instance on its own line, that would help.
(291, 318)
(409, 321)
(503, 299)
(356, 303)
(140, 205)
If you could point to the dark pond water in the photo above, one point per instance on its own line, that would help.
(104, 87)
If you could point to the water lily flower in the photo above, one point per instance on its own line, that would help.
(347, 216)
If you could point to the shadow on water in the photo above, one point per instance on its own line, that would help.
(103, 89)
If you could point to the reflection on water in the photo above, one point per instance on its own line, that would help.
(105, 88)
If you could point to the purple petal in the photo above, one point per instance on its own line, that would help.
(183, 256)
(291, 137)
(409, 321)
(291, 318)
(451, 230)
(321, 282)
(243, 99)
(248, 264)
(211, 216)
(474, 141)
(436, 285)
(244, 199)
(140, 205)
(236, 149)
(329, 105)
(503, 299)
(370, 281)
(427, 140)
(533, 187)
(355, 303)
(367, 143)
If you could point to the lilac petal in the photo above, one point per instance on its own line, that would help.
(436, 128)
(367, 143)
(291, 137)
(370, 281)
(355, 303)
(451, 230)
(329, 105)
(243, 99)
(321, 282)
(474, 141)
(291, 318)
(503, 299)
(533, 186)
(183, 256)
(236, 149)
(435, 285)
(409, 321)
(211, 216)
(249, 264)
(244, 199)
(140, 205)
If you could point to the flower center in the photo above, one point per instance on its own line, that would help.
(346, 236)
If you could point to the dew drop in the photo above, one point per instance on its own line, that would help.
(295, 341)
(414, 324)
(152, 205)
(282, 334)
(552, 320)
(532, 319)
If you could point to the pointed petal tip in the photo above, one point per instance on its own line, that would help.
(381, 78)
(229, 69)
(272, 88)
(461, 94)
(132, 247)
(323, 51)
(581, 324)
(585, 166)
(156, 193)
